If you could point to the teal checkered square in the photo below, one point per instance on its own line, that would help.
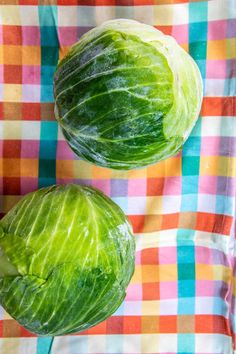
(48, 168)
(198, 31)
(198, 49)
(47, 73)
(49, 130)
(48, 149)
(186, 254)
(186, 271)
(192, 146)
(46, 93)
(190, 165)
(49, 36)
(186, 288)
(49, 56)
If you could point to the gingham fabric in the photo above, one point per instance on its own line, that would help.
(182, 295)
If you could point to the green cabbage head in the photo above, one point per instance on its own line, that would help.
(66, 258)
(126, 95)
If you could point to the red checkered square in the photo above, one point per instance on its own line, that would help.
(31, 111)
(151, 291)
(11, 186)
(13, 74)
(12, 35)
(115, 325)
(132, 324)
(149, 256)
(11, 148)
(155, 186)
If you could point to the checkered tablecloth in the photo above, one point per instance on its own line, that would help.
(181, 298)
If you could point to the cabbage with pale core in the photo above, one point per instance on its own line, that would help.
(66, 259)
(126, 95)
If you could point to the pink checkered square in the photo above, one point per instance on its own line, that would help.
(207, 184)
(180, 32)
(137, 187)
(210, 146)
(67, 36)
(103, 184)
(28, 184)
(204, 288)
(216, 69)
(31, 35)
(138, 258)
(31, 74)
(167, 255)
(203, 255)
(29, 149)
(172, 186)
(217, 30)
(134, 292)
(63, 151)
(168, 290)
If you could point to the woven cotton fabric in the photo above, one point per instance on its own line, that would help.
(182, 296)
